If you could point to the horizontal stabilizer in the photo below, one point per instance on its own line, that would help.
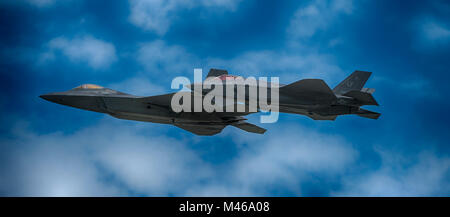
(249, 127)
(316, 88)
(368, 90)
(364, 98)
(368, 114)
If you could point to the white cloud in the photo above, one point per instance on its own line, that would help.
(317, 16)
(291, 63)
(434, 33)
(429, 33)
(41, 3)
(98, 160)
(139, 85)
(157, 15)
(285, 156)
(160, 59)
(424, 174)
(289, 66)
(115, 158)
(154, 166)
(279, 158)
(343, 6)
(169, 61)
(96, 53)
(50, 165)
(421, 87)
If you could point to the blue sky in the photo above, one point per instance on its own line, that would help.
(139, 46)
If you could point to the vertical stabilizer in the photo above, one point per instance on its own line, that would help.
(216, 72)
(355, 81)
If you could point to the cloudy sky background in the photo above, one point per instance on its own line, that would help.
(139, 46)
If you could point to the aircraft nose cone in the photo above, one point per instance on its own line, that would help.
(51, 97)
(45, 96)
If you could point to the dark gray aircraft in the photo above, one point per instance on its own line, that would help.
(310, 97)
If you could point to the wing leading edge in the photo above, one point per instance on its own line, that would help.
(206, 129)
(202, 129)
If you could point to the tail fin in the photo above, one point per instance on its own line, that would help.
(216, 72)
(355, 81)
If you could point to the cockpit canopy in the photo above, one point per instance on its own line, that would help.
(89, 86)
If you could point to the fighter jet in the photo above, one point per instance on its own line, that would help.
(310, 97)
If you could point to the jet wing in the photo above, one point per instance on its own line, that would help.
(249, 127)
(315, 116)
(212, 129)
(201, 129)
(162, 100)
